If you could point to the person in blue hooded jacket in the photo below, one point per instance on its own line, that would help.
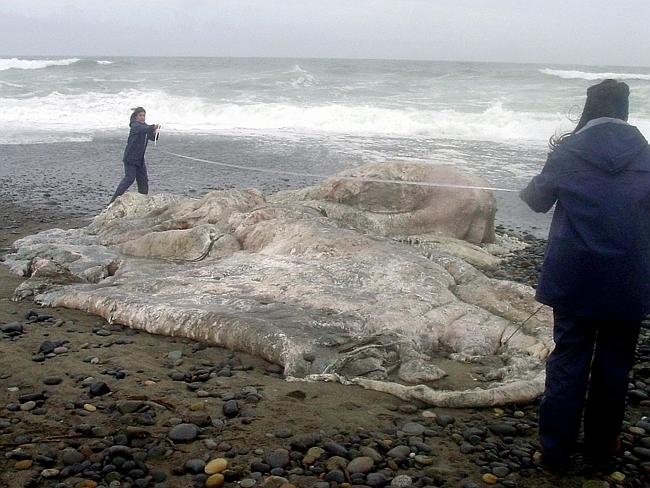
(595, 275)
(135, 168)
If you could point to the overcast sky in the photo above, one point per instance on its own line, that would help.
(545, 31)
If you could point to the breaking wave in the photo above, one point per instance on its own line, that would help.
(59, 112)
(586, 75)
(15, 63)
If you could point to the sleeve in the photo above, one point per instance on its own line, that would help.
(139, 128)
(541, 193)
(151, 132)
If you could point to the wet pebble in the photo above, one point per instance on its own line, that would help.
(184, 433)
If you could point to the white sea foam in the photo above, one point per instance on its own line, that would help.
(15, 63)
(586, 75)
(103, 61)
(13, 85)
(59, 112)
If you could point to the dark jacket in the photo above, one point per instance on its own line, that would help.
(597, 260)
(136, 144)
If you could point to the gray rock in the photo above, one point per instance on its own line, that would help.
(641, 453)
(194, 466)
(231, 408)
(278, 458)
(399, 452)
(98, 388)
(52, 380)
(71, 456)
(413, 428)
(184, 433)
(503, 429)
(401, 481)
(362, 464)
(445, 420)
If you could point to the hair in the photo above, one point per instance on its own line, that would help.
(136, 111)
(609, 98)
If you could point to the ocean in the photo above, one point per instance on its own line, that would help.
(64, 121)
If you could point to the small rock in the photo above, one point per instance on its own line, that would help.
(184, 433)
(217, 465)
(52, 380)
(215, 481)
(230, 408)
(401, 481)
(24, 464)
(98, 388)
(361, 464)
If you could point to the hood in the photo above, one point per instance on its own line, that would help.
(609, 146)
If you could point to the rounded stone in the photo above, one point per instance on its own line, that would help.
(413, 428)
(24, 464)
(361, 464)
(278, 458)
(376, 480)
(490, 479)
(27, 406)
(312, 455)
(184, 433)
(217, 465)
(335, 475)
(399, 452)
(401, 481)
(71, 456)
(215, 481)
(230, 408)
(194, 466)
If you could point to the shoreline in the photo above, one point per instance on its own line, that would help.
(54, 416)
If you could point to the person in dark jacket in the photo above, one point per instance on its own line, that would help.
(135, 168)
(595, 275)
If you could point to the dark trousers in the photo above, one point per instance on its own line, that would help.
(588, 370)
(133, 172)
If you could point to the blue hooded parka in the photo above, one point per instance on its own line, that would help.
(597, 260)
(136, 144)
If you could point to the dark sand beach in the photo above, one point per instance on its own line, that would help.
(84, 403)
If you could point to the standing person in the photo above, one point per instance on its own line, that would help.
(135, 168)
(596, 274)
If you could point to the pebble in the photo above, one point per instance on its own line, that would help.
(215, 481)
(89, 407)
(24, 464)
(362, 464)
(184, 433)
(52, 380)
(50, 473)
(312, 455)
(399, 452)
(27, 406)
(98, 388)
(278, 458)
(194, 466)
(217, 465)
(230, 408)
(617, 477)
(402, 481)
(489, 478)
(413, 428)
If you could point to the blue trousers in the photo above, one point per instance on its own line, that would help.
(586, 372)
(133, 172)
